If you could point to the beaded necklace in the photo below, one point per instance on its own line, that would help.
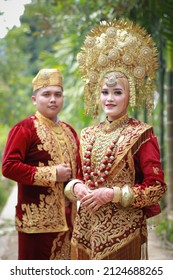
(94, 178)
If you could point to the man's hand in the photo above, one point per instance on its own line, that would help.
(63, 172)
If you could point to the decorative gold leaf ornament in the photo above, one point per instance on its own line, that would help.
(120, 46)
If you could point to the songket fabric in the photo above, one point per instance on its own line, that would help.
(44, 217)
(114, 231)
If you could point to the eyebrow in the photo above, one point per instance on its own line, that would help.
(112, 88)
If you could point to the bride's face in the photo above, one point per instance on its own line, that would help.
(114, 98)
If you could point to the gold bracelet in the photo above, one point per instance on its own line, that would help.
(127, 196)
(69, 191)
(117, 195)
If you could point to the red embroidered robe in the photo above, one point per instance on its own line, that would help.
(34, 148)
(115, 232)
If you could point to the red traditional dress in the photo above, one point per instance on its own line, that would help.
(128, 150)
(44, 217)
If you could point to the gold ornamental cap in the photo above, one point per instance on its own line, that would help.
(47, 77)
(118, 46)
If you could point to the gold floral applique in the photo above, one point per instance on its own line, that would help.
(48, 213)
(47, 216)
(156, 170)
(61, 249)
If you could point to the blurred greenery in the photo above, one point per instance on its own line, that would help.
(165, 229)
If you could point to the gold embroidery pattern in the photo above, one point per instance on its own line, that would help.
(45, 176)
(156, 170)
(69, 151)
(107, 230)
(49, 214)
(112, 226)
(61, 249)
(127, 140)
(149, 195)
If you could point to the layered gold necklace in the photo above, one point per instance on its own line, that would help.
(96, 174)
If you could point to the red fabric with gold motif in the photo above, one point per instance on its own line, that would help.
(115, 231)
(149, 171)
(34, 148)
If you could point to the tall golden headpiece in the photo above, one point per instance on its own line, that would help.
(120, 46)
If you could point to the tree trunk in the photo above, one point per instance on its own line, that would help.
(162, 107)
(170, 140)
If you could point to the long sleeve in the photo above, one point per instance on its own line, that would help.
(18, 160)
(34, 148)
(150, 185)
(14, 165)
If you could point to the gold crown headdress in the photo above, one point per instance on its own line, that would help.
(120, 46)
